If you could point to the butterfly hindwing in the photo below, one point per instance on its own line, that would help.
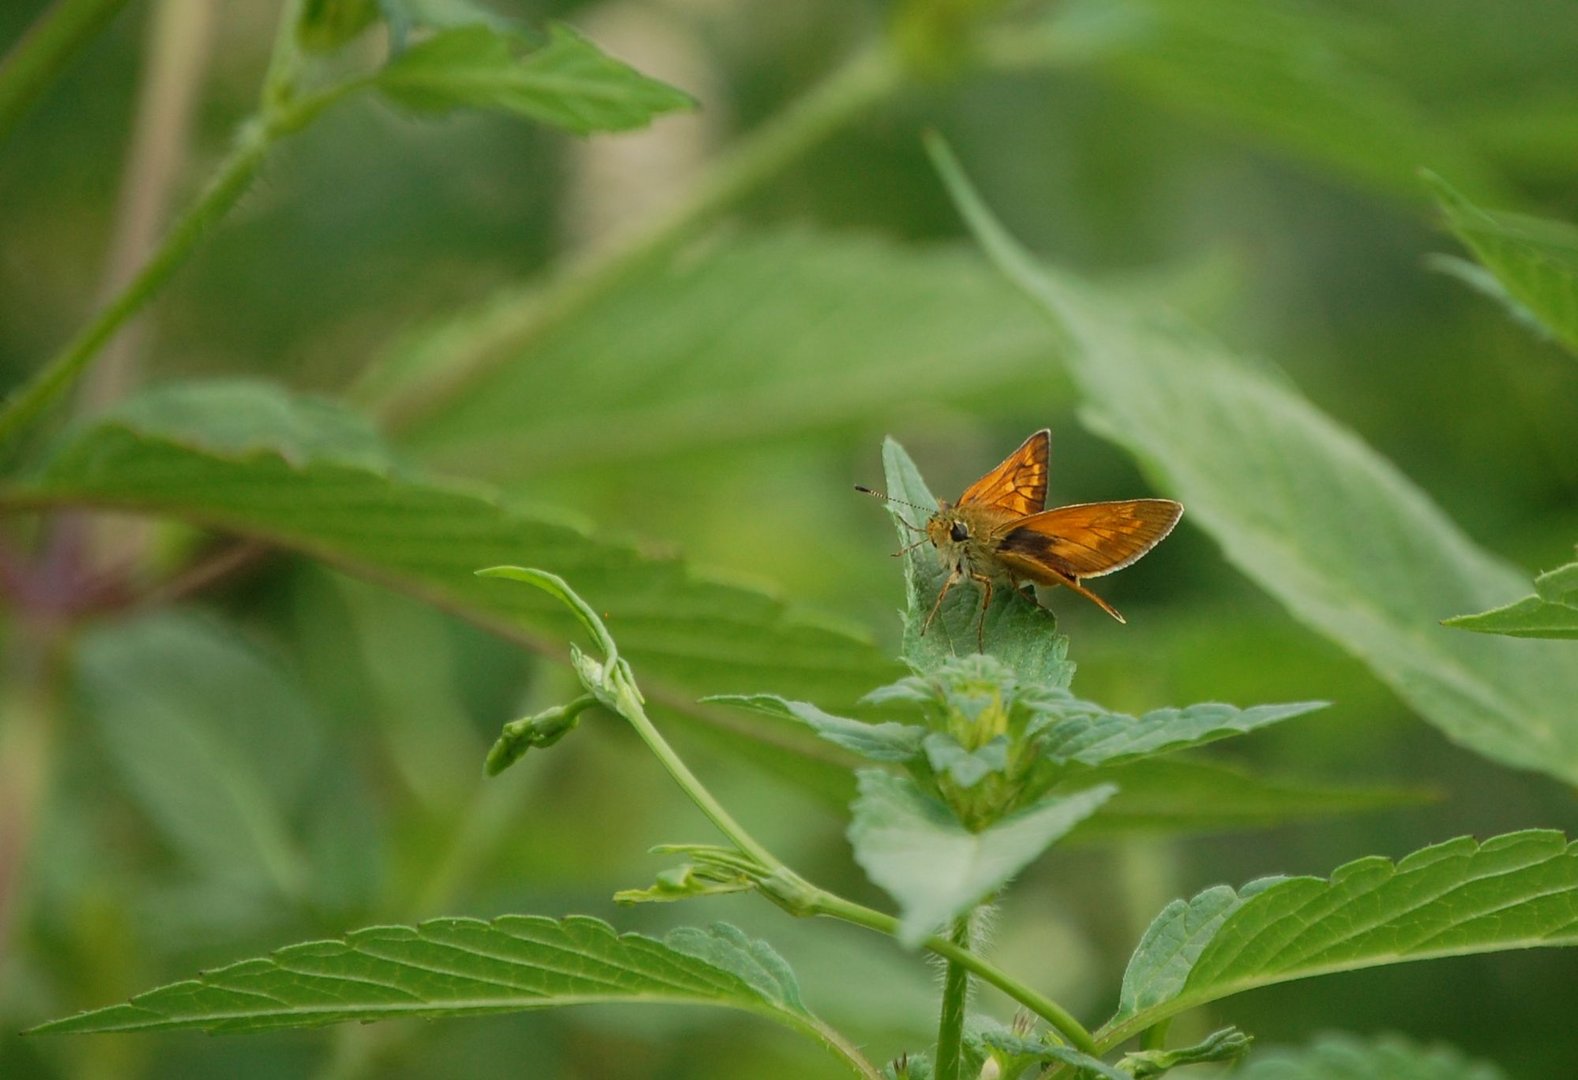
(1019, 485)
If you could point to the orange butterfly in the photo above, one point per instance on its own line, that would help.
(999, 534)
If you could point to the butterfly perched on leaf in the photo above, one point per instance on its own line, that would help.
(999, 532)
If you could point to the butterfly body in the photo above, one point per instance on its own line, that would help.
(999, 533)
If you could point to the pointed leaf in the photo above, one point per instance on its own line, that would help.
(823, 330)
(1113, 738)
(1349, 1057)
(299, 481)
(1314, 516)
(887, 741)
(1552, 612)
(935, 868)
(1016, 630)
(463, 967)
(568, 82)
(1228, 1044)
(1513, 892)
(1534, 260)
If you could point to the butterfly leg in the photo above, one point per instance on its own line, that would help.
(953, 577)
(986, 602)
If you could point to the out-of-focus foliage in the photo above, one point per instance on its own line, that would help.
(203, 768)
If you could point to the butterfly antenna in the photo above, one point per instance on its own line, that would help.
(890, 499)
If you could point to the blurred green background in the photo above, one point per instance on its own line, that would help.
(1251, 164)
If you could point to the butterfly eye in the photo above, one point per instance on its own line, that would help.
(959, 533)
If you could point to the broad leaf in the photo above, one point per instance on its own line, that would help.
(211, 739)
(1349, 1057)
(1105, 738)
(464, 967)
(1534, 260)
(1310, 513)
(914, 847)
(1163, 796)
(1552, 612)
(1280, 70)
(250, 459)
(1015, 629)
(1513, 892)
(567, 82)
(817, 330)
(887, 741)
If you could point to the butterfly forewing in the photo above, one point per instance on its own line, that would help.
(1087, 539)
(1019, 485)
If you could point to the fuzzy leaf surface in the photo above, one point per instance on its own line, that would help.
(914, 847)
(1114, 738)
(887, 741)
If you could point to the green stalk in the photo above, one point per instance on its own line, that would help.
(825, 903)
(279, 116)
(950, 1020)
(40, 54)
(232, 179)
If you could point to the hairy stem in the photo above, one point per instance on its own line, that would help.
(955, 997)
(1060, 1018)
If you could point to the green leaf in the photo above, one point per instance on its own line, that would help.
(568, 83)
(174, 452)
(889, 741)
(1513, 892)
(463, 967)
(837, 328)
(1228, 1044)
(1534, 260)
(913, 846)
(1017, 631)
(1282, 71)
(1309, 512)
(1349, 1057)
(213, 741)
(1105, 738)
(1552, 612)
(1165, 796)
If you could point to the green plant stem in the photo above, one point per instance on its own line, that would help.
(865, 79)
(233, 177)
(811, 900)
(277, 118)
(40, 54)
(695, 789)
(950, 1020)
(837, 907)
